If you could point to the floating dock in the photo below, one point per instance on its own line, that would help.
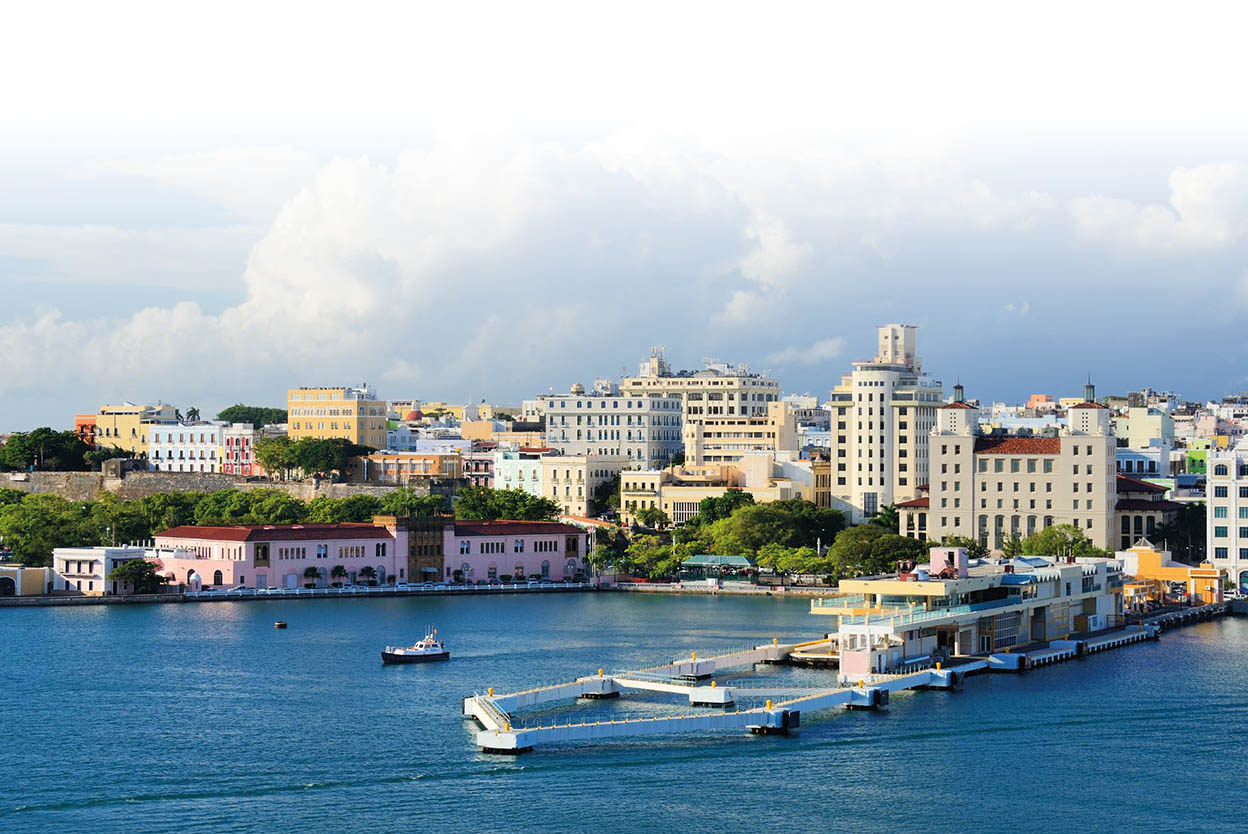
(784, 704)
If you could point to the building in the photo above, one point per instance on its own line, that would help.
(404, 439)
(952, 607)
(1141, 509)
(125, 426)
(520, 469)
(571, 481)
(405, 468)
(646, 430)
(992, 487)
(354, 414)
(883, 413)
(426, 544)
(83, 571)
(84, 428)
(1154, 578)
(498, 551)
(1226, 531)
(279, 555)
(185, 447)
(729, 439)
(238, 447)
(22, 581)
(1145, 428)
(678, 490)
(718, 390)
(478, 467)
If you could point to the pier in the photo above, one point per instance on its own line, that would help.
(784, 704)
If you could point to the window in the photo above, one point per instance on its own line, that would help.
(1219, 492)
(1220, 512)
(518, 546)
(465, 547)
(1219, 532)
(1048, 466)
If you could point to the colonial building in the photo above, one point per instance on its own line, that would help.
(405, 468)
(729, 439)
(125, 426)
(1226, 522)
(645, 430)
(993, 487)
(185, 447)
(485, 551)
(354, 414)
(1141, 508)
(238, 447)
(571, 480)
(678, 490)
(84, 570)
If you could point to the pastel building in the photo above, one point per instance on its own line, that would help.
(125, 426)
(1226, 531)
(644, 429)
(238, 447)
(478, 468)
(718, 390)
(488, 550)
(354, 414)
(185, 447)
(83, 571)
(404, 468)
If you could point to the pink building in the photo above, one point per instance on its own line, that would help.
(279, 555)
(477, 551)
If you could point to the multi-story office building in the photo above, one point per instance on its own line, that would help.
(729, 439)
(125, 426)
(992, 487)
(185, 447)
(882, 414)
(354, 414)
(718, 390)
(645, 430)
(520, 469)
(1226, 532)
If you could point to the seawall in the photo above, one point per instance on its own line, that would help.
(87, 486)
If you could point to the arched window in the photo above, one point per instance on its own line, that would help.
(1220, 469)
(216, 578)
(545, 569)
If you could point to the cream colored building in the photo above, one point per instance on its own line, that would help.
(644, 430)
(570, 480)
(882, 414)
(992, 487)
(678, 490)
(729, 439)
(125, 426)
(354, 414)
(718, 390)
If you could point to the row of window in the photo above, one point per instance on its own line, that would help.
(1223, 492)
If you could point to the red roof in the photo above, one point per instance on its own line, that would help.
(535, 449)
(958, 405)
(1128, 484)
(276, 532)
(917, 503)
(503, 527)
(1140, 505)
(1011, 445)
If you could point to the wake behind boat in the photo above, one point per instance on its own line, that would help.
(428, 649)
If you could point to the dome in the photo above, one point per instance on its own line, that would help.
(415, 414)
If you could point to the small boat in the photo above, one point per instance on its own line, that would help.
(280, 624)
(430, 648)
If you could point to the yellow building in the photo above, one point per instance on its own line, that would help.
(125, 426)
(678, 490)
(354, 414)
(19, 581)
(403, 467)
(571, 480)
(725, 439)
(1156, 578)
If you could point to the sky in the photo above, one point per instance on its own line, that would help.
(210, 203)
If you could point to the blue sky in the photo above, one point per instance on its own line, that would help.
(452, 209)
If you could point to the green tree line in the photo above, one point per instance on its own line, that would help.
(49, 450)
(256, 415)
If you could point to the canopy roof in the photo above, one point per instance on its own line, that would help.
(709, 561)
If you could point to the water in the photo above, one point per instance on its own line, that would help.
(203, 717)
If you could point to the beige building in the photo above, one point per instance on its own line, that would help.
(729, 439)
(678, 490)
(354, 414)
(601, 421)
(83, 571)
(718, 390)
(403, 467)
(570, 480)
(882, 415)
(992, 487)
(125, 426)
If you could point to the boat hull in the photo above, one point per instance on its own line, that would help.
(389, 657)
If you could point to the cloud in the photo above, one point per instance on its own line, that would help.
(1208, 209)
(1021, 309)
(823, 350)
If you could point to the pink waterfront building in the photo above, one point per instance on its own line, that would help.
(477, 551)
(279, 555)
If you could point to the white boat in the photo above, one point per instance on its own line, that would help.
(428, 649)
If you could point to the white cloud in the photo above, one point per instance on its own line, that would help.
(1021, 309)
(823, 350)
(1208, 209)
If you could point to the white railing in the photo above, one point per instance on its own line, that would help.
(366, 590)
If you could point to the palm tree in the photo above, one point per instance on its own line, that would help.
(888, 518)
(192, 415)
(339, 573)
(313, 574)
(370, 573)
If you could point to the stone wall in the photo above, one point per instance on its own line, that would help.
(86, 486)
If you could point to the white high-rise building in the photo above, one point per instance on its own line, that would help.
(644, 430)
(882, 415)
(1226, 531)
(718, 390)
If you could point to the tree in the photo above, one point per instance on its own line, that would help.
(888, 518)
(1185, 536)
(312, 575)
(606, 497)
(712, 509)
(405, 502)
(870, 549)
(44, 449)
(338, 573)
(140, 575)
(1012, 547)
(677, 459)
(254, 415)
(38, 523)
(369, 573)
(485, 504)
(192, 415)
(353, 508)
(276, 455)
(94, 459)
(653, 517)
(793, 523)
(1060, 540)
(974, 548)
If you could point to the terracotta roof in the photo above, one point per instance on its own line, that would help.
(917, 503)
(1011, 445)
(276, 532)
(958, 405)
(503, 527)
(1128, 484)
(1087, 405)
(1147, 505)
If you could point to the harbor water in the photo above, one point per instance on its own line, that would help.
(203, 717)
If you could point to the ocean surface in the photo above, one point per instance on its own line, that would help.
(203, 717)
